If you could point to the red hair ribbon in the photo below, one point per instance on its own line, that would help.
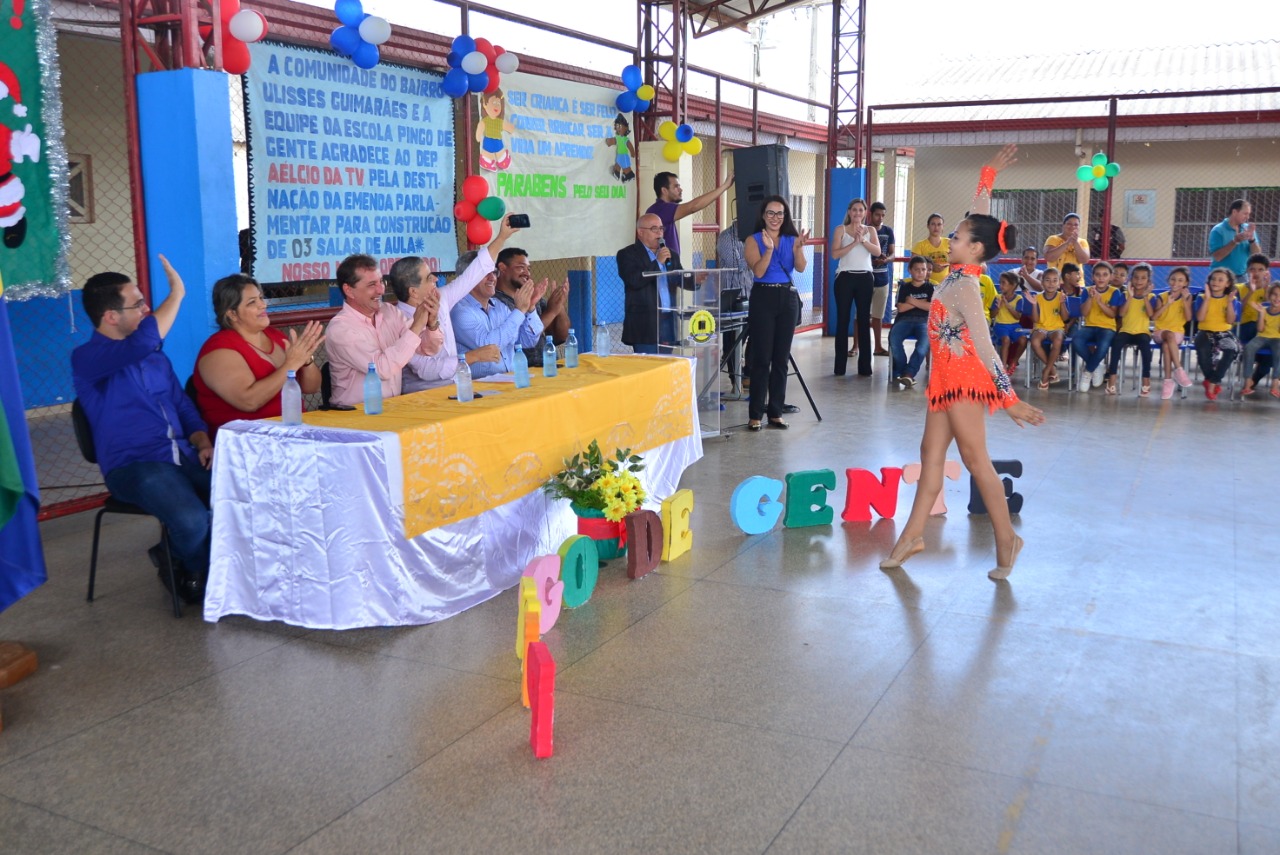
(1000, 236)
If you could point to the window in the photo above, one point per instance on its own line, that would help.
(1198, 209)
(1036, 214)
(802, 212)
(79, 188)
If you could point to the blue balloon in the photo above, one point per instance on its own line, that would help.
(366, 55)
(345, 40)
(632, 78)
(454, 59)
(349, 12)
(479, 82)
(641, 106)
(684, 133)
(463, 45)
(456, 83)
(625, 102)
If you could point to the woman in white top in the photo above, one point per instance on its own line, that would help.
(855, 243)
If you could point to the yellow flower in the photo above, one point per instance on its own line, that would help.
(614, 511)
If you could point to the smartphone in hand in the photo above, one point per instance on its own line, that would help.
(518, 221)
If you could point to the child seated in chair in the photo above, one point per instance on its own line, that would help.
(1216, 345)
(1050, 316)
(1006, 313)
(1171, 314)
(1269, 337)
(1135, 328)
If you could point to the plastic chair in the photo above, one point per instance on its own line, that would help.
(84, 439)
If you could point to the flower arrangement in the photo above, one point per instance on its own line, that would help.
(590, 480)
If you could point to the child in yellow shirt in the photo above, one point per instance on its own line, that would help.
(1269, 337)
(1134, 316)
(1216, 345)
(1049, 311)
(1171, 315)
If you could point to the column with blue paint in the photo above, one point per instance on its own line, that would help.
(846, 185)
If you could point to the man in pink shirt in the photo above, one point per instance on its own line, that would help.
(366, 330)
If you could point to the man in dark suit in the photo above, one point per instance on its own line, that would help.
(645, 294)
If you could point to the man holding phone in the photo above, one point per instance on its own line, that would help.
(1233, 240)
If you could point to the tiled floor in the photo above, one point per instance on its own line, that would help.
(1120, 694)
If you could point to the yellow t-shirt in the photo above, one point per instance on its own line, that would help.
(1069, 255)
(1050, 308)
(1004, 315)
(1095, 317)
(988, 294)
(1269, 326)
(936, 254)
(1247, 312)
(1215, 319)
(1134, 318)
(1170, 316)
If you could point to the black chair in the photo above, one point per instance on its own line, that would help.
(326, 386)
(84, 439)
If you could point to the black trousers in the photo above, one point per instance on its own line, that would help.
(856, 290)
(771, 324)
(1142, 341)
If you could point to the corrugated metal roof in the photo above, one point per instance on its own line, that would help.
(1197, 68)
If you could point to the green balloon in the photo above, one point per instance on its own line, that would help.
(1101, 183)
(1099, 159)
(492, 208)
(1113, 169)
(1085, 172)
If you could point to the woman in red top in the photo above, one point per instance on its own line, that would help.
(242, 367)
(967, 379)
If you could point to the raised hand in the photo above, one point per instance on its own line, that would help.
(1004, 158)
(768, 241)
(801, 238)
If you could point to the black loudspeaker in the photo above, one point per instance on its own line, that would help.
(758, 172)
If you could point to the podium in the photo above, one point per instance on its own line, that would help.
(691, 323)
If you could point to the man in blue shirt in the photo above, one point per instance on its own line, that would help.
(153, 448)
(479, 319)
(1233, 240)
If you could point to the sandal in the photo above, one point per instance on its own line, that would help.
(1275, 389)
(1044, 384)
(1247, 390)
(779, 424)
(1146, 389)
(1111, 388)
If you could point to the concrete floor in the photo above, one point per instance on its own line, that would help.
(1121, 694)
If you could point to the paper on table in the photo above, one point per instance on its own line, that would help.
(498, 378)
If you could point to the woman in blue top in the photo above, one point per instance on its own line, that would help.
(773, 252)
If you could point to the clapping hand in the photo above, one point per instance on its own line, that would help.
(301, 348)
(432, 302)
(804, 236)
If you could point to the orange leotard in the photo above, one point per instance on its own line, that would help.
(965, 365)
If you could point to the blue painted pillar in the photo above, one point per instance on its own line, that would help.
(846, 185)
(184, 129)
(580, 309)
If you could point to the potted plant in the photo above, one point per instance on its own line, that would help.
(601, 491)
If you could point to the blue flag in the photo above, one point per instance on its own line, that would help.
(21, 557)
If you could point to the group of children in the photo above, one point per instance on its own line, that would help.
(1118, 310)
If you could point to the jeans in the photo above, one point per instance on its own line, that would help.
(854, 289)
(1142, 341)
(176, 495)
(771, 323)
(916, 329)
(1251, 349)
(1098, 338)
(1216, 351)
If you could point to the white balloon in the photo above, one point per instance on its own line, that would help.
(475, 62)
(507, 63)
(248, 25)
(375, 30)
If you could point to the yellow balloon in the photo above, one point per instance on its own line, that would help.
(1099, 171)
(693, 146)
(645, 93)
(667, 130)
(671, 151)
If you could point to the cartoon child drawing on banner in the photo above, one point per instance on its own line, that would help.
(15, 146)
(494, 154)
(626, 149)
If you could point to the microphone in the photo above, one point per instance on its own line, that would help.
(662, 244)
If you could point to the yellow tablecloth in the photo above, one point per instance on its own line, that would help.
(462, 459)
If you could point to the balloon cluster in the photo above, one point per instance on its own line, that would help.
(239, 26)
(680, 140)
(477, 209)
(1098, 171)
(639, 95)
(359, 35)
(476, 65)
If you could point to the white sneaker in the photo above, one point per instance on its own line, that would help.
(1099, 374)
(1084, 381)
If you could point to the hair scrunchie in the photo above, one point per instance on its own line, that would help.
(1000, 237)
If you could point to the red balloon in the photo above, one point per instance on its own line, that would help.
(474, 189)
(498, 51)
(495, 80)
(235, 56)
(479, 231)
(486, 47)
(465, 211)
(228, 9)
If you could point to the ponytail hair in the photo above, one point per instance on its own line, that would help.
(996, 236)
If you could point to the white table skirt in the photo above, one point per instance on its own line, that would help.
(308, 529)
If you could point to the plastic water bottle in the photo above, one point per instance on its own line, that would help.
(521, 368)
(462, 380)
(372, 392)
(603, 346)
(571, 350)
(549, 358)
(291, 401)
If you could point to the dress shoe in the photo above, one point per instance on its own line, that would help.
(778, 424)
(790, 408)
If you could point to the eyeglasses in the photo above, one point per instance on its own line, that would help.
(651, 228)
(136, 306)
(774, 213)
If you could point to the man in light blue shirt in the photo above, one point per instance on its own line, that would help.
(479, 319)
(1233, 240)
